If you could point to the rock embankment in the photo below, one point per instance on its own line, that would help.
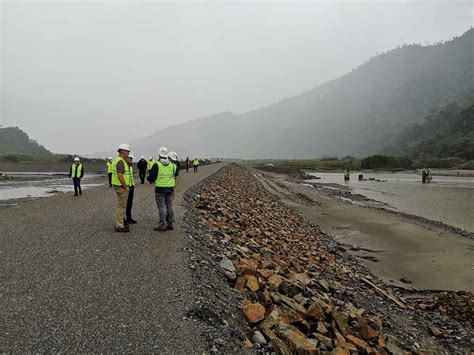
(302, 292)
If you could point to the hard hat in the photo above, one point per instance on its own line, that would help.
(163, 152)
(124, 146)
(76, 159)
(142, 157)
(130, 155)
(173, 155)
(151, 157)
(110, 158)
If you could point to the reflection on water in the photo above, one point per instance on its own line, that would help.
(28, 185)
(447, 199)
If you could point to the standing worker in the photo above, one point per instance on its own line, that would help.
(121, 182)
(173, 156)
(109, 170)
(186, 164)
(131, 189)
(163, 174)
(76, 173)
(142, 166)
(195, 165)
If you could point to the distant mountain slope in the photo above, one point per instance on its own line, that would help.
(447, 132)
(359, 113)
(14, 141)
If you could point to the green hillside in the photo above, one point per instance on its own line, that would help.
(445, 133)
(14, 141)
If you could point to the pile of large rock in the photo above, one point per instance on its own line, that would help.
(303, 292)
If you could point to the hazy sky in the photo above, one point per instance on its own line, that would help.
(84, 76)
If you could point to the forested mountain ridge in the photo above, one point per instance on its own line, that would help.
(359, 113)
(447, 132)
(15, 141)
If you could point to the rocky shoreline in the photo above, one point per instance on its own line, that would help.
(291, 288)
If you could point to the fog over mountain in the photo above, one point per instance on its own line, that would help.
(359, 113)
(84, 76)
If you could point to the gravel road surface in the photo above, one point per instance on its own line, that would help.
(70, 283)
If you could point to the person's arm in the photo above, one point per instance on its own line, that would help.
(120, 172)
(70, 171)
(153, 173)
(82, 172)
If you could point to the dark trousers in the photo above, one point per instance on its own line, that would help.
(164, 201)
(195, 167)
(110, 179)
(77, 186)
(128, 212)
(187, 168)
(141, 174)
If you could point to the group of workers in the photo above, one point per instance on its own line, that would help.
(162, 172)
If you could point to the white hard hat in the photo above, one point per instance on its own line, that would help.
(151, 157)
(142, 157)
(76, 159)
(110, 158)
(173, 155)
(163, 152)
(130, 155)
(124, 146)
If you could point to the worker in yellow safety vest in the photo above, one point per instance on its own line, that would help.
(76, 173)
(131, 189)
(109, 170)
(164, 174)
(121, 183)
(195, 165)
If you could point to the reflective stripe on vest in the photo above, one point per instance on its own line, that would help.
(109, 167)
(75, 171)
(166, 175)
(126, 173)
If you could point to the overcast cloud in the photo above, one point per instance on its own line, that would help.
(84, 76)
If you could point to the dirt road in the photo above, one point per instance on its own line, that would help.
(70, 284)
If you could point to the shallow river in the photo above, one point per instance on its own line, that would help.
(31, 185)
(447, 199)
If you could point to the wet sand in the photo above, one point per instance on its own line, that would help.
(393, 246)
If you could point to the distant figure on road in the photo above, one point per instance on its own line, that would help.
(164, 174)
(109, 170)
(76, 173)
(121, 182)
(131, 189)
(142, 166)
(347, 175)
(186, 164)
(195, 165)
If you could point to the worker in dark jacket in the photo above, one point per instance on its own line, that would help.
(76, 173)
(142, 166)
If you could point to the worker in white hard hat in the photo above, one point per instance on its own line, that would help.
(76, 173)
(121, 183)
(131, 189)
(163, 174)
(109, 169)
(142, 166)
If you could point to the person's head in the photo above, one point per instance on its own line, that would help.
(129, 159)
(173, 156)
(77, 160)
(151, 157)
(110, 159)
(163, 152)
(142, 158)
(124, 150)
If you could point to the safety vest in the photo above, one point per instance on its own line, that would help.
(76, 171)
(109, 167)
(166, 175)
(126, 174)
(196, 162)
(132, 179)
(150, 163)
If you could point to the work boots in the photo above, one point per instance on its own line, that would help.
(123, 229)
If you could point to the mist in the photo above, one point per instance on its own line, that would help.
(83, 77)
